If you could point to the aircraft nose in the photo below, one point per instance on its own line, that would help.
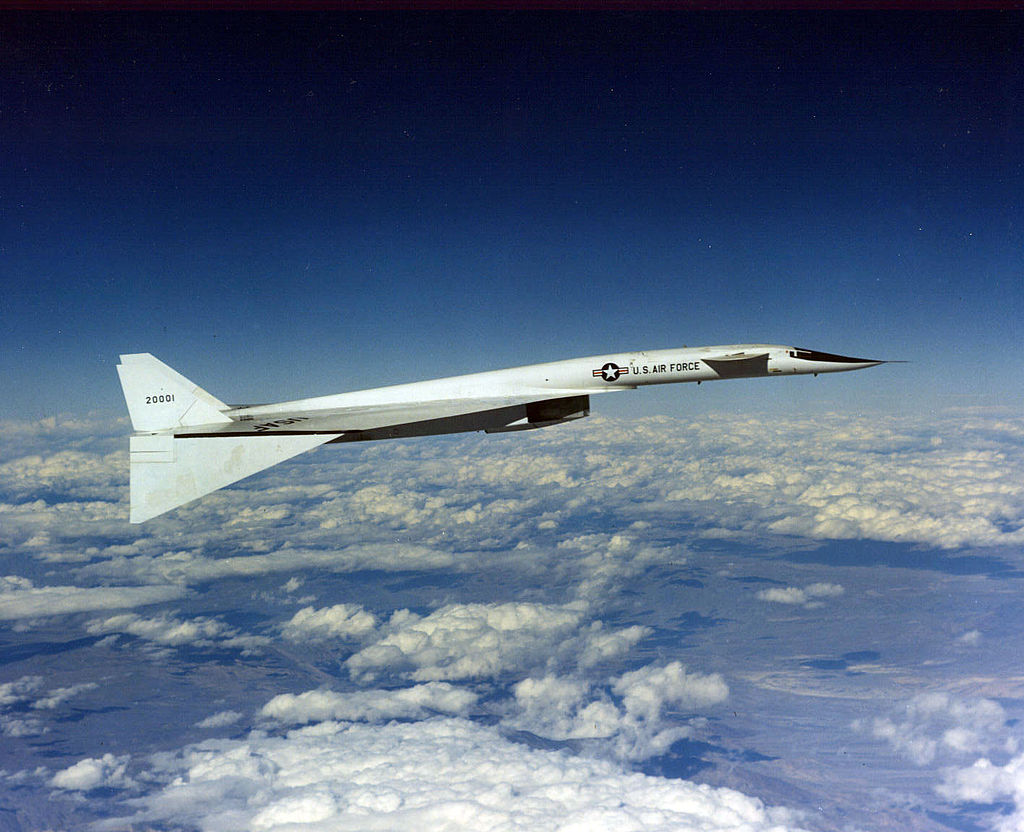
(832, 358)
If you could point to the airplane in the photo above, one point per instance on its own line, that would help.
(188, 443)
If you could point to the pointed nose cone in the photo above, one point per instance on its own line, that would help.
(843, 359)
(824, 362)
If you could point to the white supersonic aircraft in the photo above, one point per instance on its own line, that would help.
(188, 443)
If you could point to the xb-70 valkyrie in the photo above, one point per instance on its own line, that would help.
(188, 443)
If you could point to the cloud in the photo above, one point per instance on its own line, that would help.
(987, 783)
(19, 689)
(972, 638)
(375, 705)
(20, 598)
(438, 774)
(634, 727)
(548, 531)
(805, 596)
(107, 771)
(562, 708)
(57, 697)
(605, 562)
(169, 631)
(22, 693)
(645, 692)
(191, 567)
(947, 483)
(598, 645)
(16, 726)
(939, 723)
(221, 719)
(340, 621)
(464, 641)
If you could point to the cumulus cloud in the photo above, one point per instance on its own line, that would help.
(603, 562)
(938, 723)
(943, 482)
(60, 695)
(634, 727)
(415, 702)
(437, 774)
(221, 719)
(986, 783)
(464, 641)
(23, 693)
(599, 645)
(22, 726)
(339, 621)
(19, 689)
(108, 771)
(645, 692)
(794, 595)
(165, 629)
(20, 598)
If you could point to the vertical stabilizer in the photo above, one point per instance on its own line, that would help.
(160, 398)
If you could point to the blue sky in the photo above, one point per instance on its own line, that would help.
(294, 205)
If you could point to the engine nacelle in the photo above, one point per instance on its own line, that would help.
(548, 412)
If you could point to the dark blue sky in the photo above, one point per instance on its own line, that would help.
(289, 205)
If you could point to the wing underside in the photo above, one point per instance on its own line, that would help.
(392, 419)
(174, 467)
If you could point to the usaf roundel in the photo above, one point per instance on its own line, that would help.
(610, 371)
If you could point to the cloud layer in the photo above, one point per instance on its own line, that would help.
(499, 632)
(436, 774)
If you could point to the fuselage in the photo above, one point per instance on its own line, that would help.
(591, 375)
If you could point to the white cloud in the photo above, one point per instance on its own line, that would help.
(972, 638)
(599, 645)
(985, 782)
(376, 705)
(572, 708)
(91, 773)
(461, 641)
(221, 719)
(557, 707)
(15, 726)
(191, 567)
(464, 641)
(645, 692)
(25, 691)
(556, 515)
(939, 723)
(805, 596)
(433, 775)
(57, 697)
(19, 690)
(20, 598)
(946, 482)
(604, 562)
(169, 631)
(340, 621)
